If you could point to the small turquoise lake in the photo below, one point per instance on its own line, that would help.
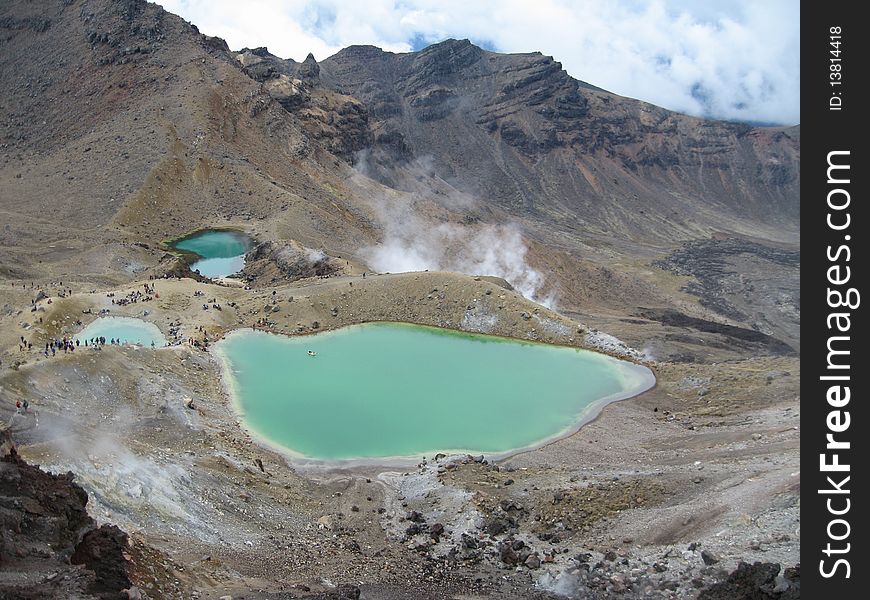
(126, 330)
(220, 252)
(388, 390)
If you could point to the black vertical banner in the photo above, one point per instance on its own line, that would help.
(835, 421)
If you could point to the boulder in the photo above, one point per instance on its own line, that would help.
(709, 558)
(754, 582)
(507, 554)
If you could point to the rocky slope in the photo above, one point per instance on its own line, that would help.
(122, 126)
(46, 533)
(517, 131)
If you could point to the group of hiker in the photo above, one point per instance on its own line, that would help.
(196, 343)
(214, 305)
(69, 344)
(135, 296)
(147, 293)
(262, 322)
(66, 344)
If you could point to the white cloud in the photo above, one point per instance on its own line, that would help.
(734, 59)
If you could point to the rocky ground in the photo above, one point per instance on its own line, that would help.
(661, 496)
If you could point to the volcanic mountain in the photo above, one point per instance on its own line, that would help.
(516, 131)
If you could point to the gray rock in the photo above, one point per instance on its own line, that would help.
(709, 558)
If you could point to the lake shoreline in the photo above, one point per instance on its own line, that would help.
(640, 377)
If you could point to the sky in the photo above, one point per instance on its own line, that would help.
(727, 59)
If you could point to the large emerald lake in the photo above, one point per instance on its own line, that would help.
(384, 390)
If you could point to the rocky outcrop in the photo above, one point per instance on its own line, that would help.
(101, 551)
(338, 122)
(270, 261)
(442, 63)
(758, 581)
(46, 531)
(434, 104)
(289, 93)
(309, 70)
(215, 43)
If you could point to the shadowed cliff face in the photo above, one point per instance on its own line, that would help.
(47, 530)
(517, 131)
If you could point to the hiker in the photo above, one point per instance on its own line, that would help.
(18, 405)
(25, 405)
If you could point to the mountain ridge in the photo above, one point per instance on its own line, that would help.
(527, 112)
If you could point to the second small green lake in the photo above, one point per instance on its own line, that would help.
(220, 252)
(123, 330)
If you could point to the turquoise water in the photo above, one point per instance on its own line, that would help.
(222, 252)
(395, 390)
(126, 329)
